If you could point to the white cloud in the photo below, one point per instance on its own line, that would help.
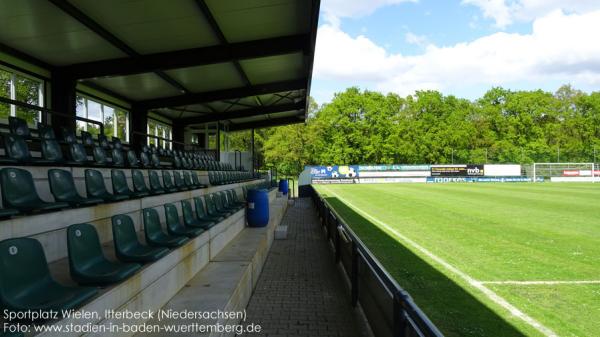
(561, 48)
(419, 40)
(334, 10)
(507, 12)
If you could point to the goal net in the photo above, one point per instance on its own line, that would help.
(566, 172)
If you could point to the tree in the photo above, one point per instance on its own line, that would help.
(503, 126)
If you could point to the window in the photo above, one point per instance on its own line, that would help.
(195, 139)
(159, 129)
(115, 120)
(24, 89)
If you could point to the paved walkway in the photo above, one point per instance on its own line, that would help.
(300, 292)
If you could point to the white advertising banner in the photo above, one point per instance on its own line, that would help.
(496, 170)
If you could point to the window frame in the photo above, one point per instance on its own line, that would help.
(103, 104)
(13, 92)
(165, 126)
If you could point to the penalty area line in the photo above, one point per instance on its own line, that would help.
(490, 294)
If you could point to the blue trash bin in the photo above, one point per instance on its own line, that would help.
(283, 186)
(258, 207)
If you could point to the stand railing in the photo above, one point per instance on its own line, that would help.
(389, 309)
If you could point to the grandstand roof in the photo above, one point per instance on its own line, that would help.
(245, 62)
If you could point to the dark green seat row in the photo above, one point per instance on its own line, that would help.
(20, 195)
(228, 177)
(17, 152)
(33, 288)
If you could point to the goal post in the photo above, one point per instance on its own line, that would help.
(565, 172)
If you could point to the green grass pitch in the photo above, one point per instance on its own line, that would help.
(486, 259)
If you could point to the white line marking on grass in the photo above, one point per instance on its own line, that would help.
(527, 283)
(471, 281)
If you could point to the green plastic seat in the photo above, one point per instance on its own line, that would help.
(103, 141)
(174, 225)
(139, 184)
(78, 154)
(26, 283)
(120, 187)
(94, 186)
(196, 180)
(145, 159)
(179, 182)
(168, 182)
(155, 185)
(63, 189)
(234, 198)
(117, 158)
(202, 214)
(87, 263)
(87, 139)
(211, 207)
(68, 135)
(127, 246)
(99, 156)
(219, 204)
(51, 151)
(45, 131)
(154, 234)
(228, 201)
(18, 192)
(132, 159)
(176, 162)
(19, 127)
(188, 217)
(116, 141)
(17, 150)
(187, 179)
(155, 160)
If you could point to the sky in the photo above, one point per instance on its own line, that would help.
(459, 47)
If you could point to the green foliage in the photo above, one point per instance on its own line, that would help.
(503, 126)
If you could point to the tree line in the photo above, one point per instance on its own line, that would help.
(503, 126)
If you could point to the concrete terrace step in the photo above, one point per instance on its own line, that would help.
(227, 282)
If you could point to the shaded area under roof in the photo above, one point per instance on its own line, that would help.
(248, 63)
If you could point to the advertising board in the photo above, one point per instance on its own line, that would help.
(482, 179)
(502, 170)
(457, 170)
(334, 171)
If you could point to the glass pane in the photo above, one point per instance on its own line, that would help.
(27, 91)
(80, 112)
(212, 141)
(160, 129)
(80, 106)
(94, 112)
(4, 92)
(151, 131)
(80, 127)
(168, 145)
(122, 125)
(109, 121)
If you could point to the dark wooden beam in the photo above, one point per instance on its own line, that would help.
(257, 111)
(25, 57)
(218, 95)
(95, 27)
(221, 37)
(268, 123)
(190, 57)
